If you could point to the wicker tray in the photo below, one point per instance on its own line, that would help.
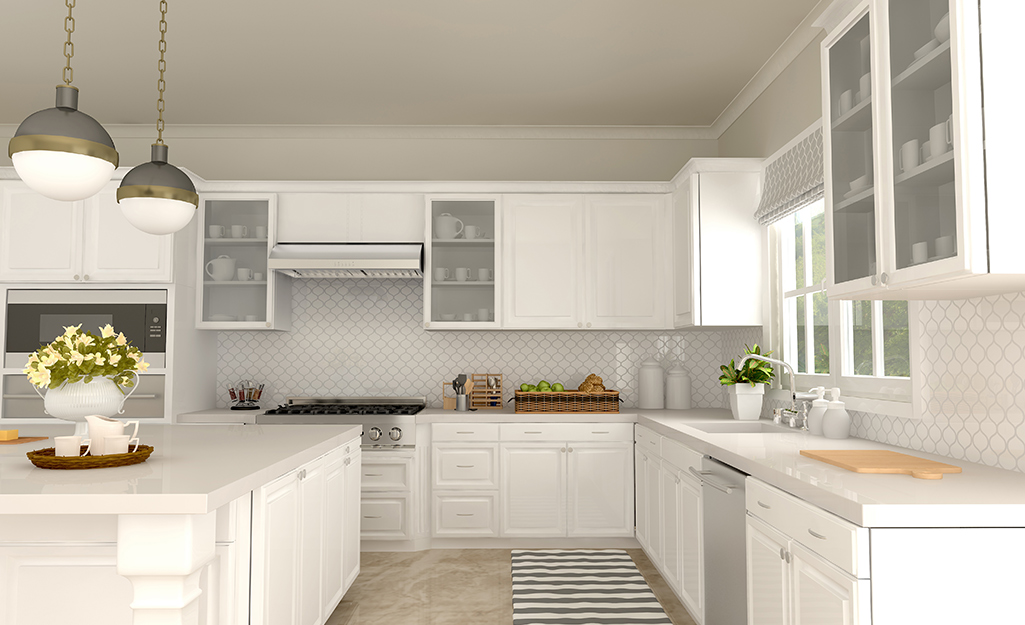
(567, 401)
(44, 459)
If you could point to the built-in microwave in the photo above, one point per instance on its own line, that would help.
(36, 316)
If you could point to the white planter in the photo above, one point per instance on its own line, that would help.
(74, 402)
(746, 401)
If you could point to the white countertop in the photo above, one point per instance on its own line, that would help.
(509, 415)
(194, 469)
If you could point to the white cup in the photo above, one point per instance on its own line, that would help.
(926, 151)
(940, 138)
(909, 155)
(484, 274)
(239, 232)
(866, 85)
(441, 274)
(251, 318)
(944, 246)
(260, 232)
(244, 275)
(482, 314)
(216, 232)
(472, 232)
(920, 252)
(119, 444)
(469, 317)
(846, 101)
(70, 446)
(462, 274)
(257, 276)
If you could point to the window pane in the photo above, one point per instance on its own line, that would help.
(861, 320)
(896, 349)
(818, 244)
(802, 344)
(798, 252)
(821, 339)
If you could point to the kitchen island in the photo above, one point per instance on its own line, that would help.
(191, 528)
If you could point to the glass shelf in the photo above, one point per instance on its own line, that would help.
(859, 202)
(937, 171)
(932, 71)
(858, 118)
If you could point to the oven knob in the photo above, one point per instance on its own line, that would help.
(375, 434)
(395, 434)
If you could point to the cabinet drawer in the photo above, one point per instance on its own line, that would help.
(384, 518)
(549, 432)
(385, 474)
(679, 456)
(465, 514)
(838, 541)
(648, 440)
(441, 432)
(459, 465)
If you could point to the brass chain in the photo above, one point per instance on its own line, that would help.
(69, 48)
(161, 65)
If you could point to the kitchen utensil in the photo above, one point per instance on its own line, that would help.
(216, 232)
(942, 30)
(462, 403)
(881, 461)
(944, 246)
(484, 274)
(462, 274)
(926, 49)
(909, 155)
(65, 446)
(260, 232)
(846, 102)
(447, 227)
(102, 427)
(920, 252)
(221, 269)
(441, 274)
(472, 232)
(239, 232)
(244, 274)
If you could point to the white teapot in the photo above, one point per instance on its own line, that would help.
(223, 268)
(102, 427)
(445, 226)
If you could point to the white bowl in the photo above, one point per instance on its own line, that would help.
(861, 183)
(942, 30)
(926, 49)
(448, 317)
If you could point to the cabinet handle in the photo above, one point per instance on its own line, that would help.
(464, 466)
(464, 432)
(884, 278)
(782, 554)
(373, 474)
(599, 432)
(76, 277)
(464, 514)
(765, 505)
(367, 516)
(788, 557)
(346, 449)
(532, 432)
(816, 534)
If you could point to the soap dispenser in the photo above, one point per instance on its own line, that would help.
(818, 409)
(836, 423)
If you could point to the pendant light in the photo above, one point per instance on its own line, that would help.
(157, 197)
(61, 152)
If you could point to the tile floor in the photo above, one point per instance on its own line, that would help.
(453, 587)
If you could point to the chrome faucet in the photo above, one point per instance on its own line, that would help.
(791, 415)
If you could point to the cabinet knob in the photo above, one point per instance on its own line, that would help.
(782, 554)
(884, 278)
(588, 324)
(348, 461)
(875, 280)
(788, 557)
(563, 450)
(570, 450)
(267, 324)
(86, 277)
(427, 324)
(76, 277)
(580, 324)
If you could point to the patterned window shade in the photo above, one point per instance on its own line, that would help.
(793, 180)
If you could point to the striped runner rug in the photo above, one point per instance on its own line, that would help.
(578, 587)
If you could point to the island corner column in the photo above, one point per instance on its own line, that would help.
(163, 556)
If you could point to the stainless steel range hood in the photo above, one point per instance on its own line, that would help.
(348, 260)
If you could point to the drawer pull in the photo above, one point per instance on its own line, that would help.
(464, 432)
(373, 474)
(465, 466)
(782, 553)
(464, 514)
(764, 505)
(370, 517)
(816, 534)
(599, 432)
(532, 432)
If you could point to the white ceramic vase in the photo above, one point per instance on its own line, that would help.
(746, 401)
(74, 402)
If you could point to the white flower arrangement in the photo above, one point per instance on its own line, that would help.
(77, 355)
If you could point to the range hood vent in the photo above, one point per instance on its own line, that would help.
(348, 260)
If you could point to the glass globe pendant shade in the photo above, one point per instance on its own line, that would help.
(157, 197)
(63, 153)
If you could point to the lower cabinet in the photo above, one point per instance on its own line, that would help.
(386, 483)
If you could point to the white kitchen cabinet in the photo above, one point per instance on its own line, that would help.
(641, 495)
(350, 217)
(599, 489)
(332, 579)
(386, 491)
(465, 513)
(713, 230)
(768, 575)
(44, 240)
(918, 207)
(691, 546)
(311, 542)
(351, 518)
(671, 523)
(533, 489)
(653, 484)
(276, 541)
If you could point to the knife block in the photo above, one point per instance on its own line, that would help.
(448, 402)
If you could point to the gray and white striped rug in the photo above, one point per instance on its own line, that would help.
(578, 587)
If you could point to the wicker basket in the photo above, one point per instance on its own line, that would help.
(45, 459)
(567, 401)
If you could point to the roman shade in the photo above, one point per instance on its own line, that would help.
(792, 180)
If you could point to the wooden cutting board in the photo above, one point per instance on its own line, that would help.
(881, 461)
(24, 439)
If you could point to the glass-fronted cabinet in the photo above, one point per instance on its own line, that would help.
(462, 262)
(237, 292)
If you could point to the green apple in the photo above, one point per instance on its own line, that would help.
(524, 387)
(544, 390)
(544, 384)
(531, 388)
(558, 388)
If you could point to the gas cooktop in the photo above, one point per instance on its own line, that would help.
(387, 422)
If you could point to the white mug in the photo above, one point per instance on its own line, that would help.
(441, 274)
(944, 246)
(257, 276)
(920, 252)
(119, 444)
(484, 274)
(468, 317)
(216, 232)
(866, 85)
(239, 232)
(909, 155)
(260, 232)
(482, 314)
(846, 101)
(244, 275)
(462, 274)
(101, 428)
(939, 138)
(70, 446)
(251, 318)
(926, 151)
(472, 232)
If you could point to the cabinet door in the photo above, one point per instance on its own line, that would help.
(625, 267)
(641, 460)
(533, 489)
(542, 246)
(768, 575)
(822, 593)
(276, 544)
(117, 251)
(40, 238)
(351, 522)
(311, 540)
(600, 489)
(692, 540)
(685, 259)
(652, 478)
(331, 581)
(670, 525)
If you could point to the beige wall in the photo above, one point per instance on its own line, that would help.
(789, 105)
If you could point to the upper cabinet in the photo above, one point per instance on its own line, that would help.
(350, 217)
(908, 214)
(44, 240)
(717, 244)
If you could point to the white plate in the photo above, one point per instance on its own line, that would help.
(854, 192)
(223, 318)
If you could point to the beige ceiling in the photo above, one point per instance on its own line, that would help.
(397, 62)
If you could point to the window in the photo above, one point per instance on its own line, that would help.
(863, 347)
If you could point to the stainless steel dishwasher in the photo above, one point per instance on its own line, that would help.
(723, 511)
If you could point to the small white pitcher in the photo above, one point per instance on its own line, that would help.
(102, 427)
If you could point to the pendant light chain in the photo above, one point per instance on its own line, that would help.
(161, 65)
(69, 48)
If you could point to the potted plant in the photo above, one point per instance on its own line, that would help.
(85, 374)
(747, 384)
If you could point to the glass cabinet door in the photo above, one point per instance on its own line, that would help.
(854, 198)
(462, 260)
(923, 141)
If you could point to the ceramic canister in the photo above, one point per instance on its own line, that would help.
(651, 385)
(678, 388)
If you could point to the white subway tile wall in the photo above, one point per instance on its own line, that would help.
(366, 338)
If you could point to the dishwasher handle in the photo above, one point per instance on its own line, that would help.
(703, 477)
